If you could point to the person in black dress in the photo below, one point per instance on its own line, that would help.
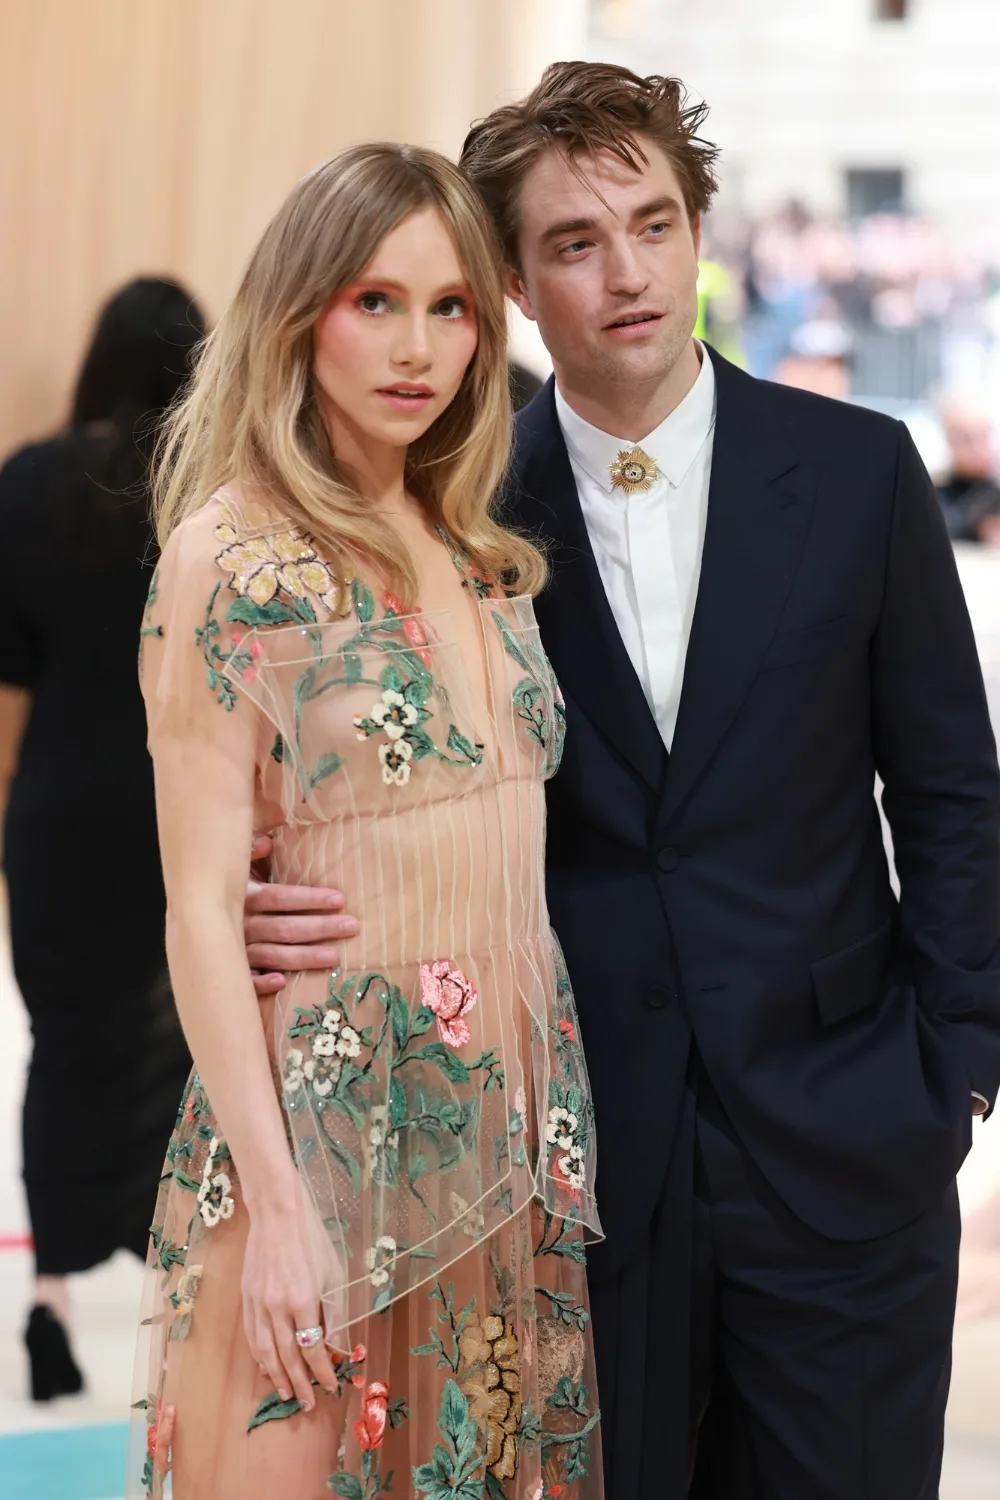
(108, 1061)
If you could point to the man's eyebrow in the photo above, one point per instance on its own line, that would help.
(663, 205)
(566, 226)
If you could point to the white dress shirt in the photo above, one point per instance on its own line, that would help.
(648, 546)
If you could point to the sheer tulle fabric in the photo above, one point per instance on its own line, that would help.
(434, 1087)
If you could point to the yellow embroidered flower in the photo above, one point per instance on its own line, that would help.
(490, 1380)
(260, 566)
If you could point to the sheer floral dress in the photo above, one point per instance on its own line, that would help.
(433, 1087)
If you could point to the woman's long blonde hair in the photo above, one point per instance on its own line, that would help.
(252, 414)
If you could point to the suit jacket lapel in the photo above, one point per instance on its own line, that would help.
(577, 624)
(759, 511)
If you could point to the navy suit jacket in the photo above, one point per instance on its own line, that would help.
(737, 890)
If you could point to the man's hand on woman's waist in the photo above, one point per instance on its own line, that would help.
(288, 928)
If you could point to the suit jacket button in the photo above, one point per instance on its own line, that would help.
(657, 998)
(668, 859)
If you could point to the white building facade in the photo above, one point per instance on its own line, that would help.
(813, 98)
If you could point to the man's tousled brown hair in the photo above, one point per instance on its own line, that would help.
(581, 108)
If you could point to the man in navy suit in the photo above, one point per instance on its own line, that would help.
(753, 611)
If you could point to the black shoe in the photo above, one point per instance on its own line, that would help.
(54, 1371)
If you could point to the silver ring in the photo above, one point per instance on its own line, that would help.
(308, 1338)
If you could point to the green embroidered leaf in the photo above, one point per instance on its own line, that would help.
(143, 1405)
(245, 612)
(278, 749)
(399, 1013)
(397, 1103)
(398, 1413)
(391, 679)
(361, 598)
(494, 1489)
(183, 1180)
(273, 1409)
(383, 1299)
(422, 1021)
(512, 645)
(464, 747)
(325, 766)
(452, 1067)
(352, 668)
(347, 1485)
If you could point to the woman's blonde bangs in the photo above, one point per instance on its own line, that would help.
(251, 413)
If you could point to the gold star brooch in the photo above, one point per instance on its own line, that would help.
(633, 471)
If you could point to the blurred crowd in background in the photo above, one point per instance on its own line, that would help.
(879, 309)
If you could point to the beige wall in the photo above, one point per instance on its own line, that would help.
(159, 135)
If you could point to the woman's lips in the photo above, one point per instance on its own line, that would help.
(405, 399)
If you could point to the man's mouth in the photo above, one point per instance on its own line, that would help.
(629, 320)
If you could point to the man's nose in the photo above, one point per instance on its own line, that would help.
(624, 271)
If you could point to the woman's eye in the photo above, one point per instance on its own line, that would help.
(452, 308)
(373, 303)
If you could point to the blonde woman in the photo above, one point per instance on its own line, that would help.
(368, 1253)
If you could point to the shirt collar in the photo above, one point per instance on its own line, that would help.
(675, 444)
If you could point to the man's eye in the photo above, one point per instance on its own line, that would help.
(575, 247)
(658, 229)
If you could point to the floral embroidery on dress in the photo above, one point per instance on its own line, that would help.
(473, 577)
(445, 990)
(537, 692)
(489, 1376)
(363, 1093)
(261, 567)
(214, 1201)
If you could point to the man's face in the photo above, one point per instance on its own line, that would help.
(589, 268)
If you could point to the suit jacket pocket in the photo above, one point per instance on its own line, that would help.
(853, 978)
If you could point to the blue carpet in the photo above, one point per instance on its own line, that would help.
(64, 1463)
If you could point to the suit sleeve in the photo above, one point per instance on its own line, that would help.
(936, 753)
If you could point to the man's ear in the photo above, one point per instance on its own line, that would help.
(516, 290)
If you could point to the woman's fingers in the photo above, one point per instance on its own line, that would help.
(262, 1347)
(318, 1357)
(295, 1366)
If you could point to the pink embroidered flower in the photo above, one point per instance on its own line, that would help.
(568, 1030)
(159, 1436)
(446, 991)
(369, 1429)
(415, 633)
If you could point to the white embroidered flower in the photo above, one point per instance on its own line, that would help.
(322, 1073)
(561, 1127)
(361, 726)
(378, 1140)
(332, 1020)
(348, 1043)
(394, 714)
(294, 1076)
(572, 1168)
(472, 1220)
(214, 1201)
(395, 758)
(324, 1045)
(378, 1257)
